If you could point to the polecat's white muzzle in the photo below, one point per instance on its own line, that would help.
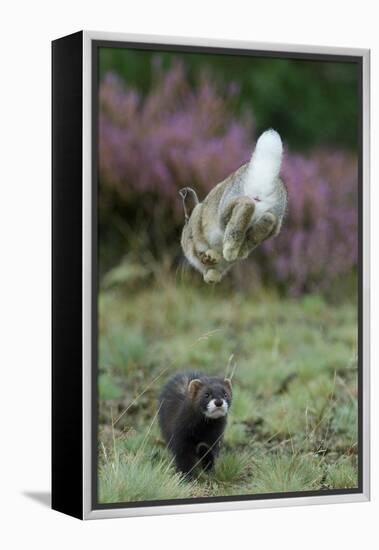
(216, 411)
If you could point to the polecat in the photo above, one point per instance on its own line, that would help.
(192, 417)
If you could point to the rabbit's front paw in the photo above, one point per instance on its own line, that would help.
(210, 257)
(212, 276)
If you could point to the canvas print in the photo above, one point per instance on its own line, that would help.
(228, 188)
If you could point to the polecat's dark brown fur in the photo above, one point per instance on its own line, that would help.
(192, 417)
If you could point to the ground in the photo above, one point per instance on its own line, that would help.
(293, 420)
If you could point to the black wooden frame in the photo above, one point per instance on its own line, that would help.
(67, 404)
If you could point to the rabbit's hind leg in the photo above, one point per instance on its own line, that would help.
(238, 216)
(266, 227)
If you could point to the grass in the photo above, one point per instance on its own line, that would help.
(293, 421)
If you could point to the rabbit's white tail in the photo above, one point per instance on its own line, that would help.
(264, 166)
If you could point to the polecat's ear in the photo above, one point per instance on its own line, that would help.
(228, 384)
(190, 200)
(193, 387)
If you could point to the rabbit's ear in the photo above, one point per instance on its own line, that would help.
(190, 200)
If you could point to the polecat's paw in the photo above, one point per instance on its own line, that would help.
(230, 251)
(212, 276)
(210, 257)
(202, 448)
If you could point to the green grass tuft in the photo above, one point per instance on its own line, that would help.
(285, 473)
(231, 467)
(135, 478)
(342, 474)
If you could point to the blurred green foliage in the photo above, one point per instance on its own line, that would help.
(307, 101)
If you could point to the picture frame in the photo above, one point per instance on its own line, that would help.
(75, 274)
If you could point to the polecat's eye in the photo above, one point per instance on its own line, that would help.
(225, 394)
(206, 394)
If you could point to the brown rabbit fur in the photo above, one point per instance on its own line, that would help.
(237, 214)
